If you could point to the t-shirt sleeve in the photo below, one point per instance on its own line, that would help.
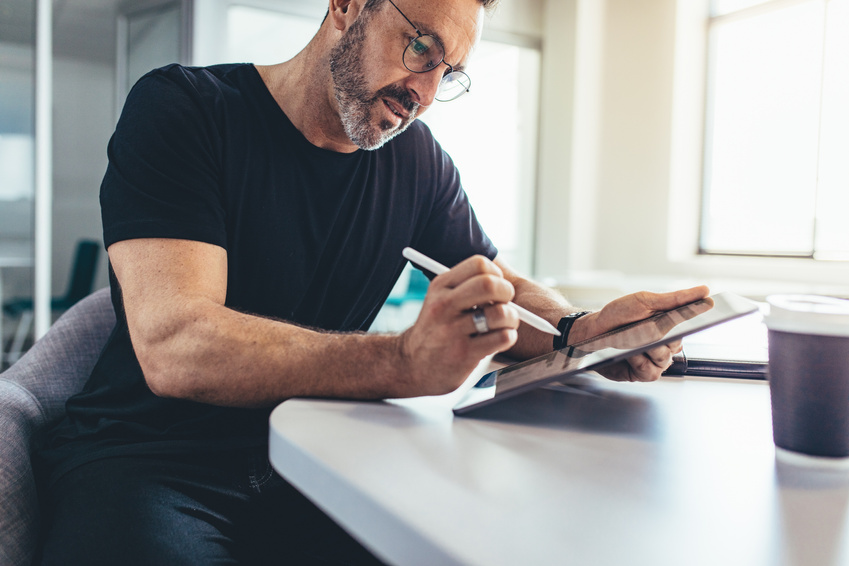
(162, 180)
(452, 232)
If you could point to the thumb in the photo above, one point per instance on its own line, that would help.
(673, 299)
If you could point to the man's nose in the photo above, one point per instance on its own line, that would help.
(424, 86)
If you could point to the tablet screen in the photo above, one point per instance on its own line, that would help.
(614, 346)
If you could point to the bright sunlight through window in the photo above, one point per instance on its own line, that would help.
(777, 131)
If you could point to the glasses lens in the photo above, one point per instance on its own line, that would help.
(453, 85)
(423, 54)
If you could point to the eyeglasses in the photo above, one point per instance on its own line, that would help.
(424, 53)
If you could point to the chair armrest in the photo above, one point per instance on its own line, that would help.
(20, 416)
(59, 364)
(32, 396)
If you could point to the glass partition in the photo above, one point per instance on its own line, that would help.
(150, 37)
(17, 160)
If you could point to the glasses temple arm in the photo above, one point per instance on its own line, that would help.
(405, 17)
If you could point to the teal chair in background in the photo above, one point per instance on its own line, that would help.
(81, 283)
(416, 290)
(402, 307)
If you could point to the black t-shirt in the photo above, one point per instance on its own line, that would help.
(312, 236)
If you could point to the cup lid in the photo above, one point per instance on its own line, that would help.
(808, 314)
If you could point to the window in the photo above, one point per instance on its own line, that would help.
(491, 135)
(776, 177)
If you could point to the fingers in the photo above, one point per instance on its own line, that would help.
(483, 289)
(661, 356)
(475, 282)
(464, 318)
(651, 364)
(495, 331)
(639, 306)
(674, 299)
(475, 265)
(497, 317)
(647, 366)
(493, 342)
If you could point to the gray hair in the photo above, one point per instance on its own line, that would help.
(371, 4)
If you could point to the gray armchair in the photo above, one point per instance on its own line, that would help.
(32, 397)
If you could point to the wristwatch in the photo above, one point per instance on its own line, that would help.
(564, 326)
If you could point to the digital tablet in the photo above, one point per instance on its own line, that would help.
(614, 346)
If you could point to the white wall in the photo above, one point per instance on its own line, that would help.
(605, 155)
(634, 134)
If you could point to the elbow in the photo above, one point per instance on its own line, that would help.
(158, 350)
(160, 375)
(161, 384)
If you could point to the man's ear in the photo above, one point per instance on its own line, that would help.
(344, 12)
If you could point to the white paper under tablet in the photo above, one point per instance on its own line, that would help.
(612, 347)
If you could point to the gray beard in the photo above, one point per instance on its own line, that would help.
(355, 101)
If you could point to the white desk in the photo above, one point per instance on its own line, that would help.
(678, 472)
(12, 254)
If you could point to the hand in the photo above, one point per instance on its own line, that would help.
(631, 308)
(443, 346)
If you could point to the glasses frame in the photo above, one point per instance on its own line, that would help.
(451, 69)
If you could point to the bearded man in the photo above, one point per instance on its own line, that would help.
(254, 219)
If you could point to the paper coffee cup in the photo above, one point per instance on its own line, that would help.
(809, 374)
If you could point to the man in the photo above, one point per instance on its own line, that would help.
(254, 219)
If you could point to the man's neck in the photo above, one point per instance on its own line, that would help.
(303, 89)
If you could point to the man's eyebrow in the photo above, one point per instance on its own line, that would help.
(427, 31)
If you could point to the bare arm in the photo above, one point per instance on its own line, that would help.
(191, 346)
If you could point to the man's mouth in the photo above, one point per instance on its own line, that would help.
(396, 108)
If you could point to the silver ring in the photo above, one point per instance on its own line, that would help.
(479, 318)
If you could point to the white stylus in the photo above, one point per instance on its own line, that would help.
(437, 268)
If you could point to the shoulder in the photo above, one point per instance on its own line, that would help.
(202, 82)
(176, 98)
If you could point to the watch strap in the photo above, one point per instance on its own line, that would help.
(564, 326)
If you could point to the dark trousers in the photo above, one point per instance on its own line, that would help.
(176, 510)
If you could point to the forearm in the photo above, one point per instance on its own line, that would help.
(544, 302)
(190, 346)
(220, 356)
